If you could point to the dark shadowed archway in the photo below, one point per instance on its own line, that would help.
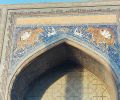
(61, 58)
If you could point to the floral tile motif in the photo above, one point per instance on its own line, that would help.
(100, 37)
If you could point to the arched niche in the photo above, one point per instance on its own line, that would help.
(55, 55)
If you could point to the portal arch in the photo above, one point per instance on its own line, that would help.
(66, 44)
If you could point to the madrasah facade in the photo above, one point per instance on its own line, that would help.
(60, 51)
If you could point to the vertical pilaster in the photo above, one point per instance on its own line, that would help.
(3, 16)
(118, 22)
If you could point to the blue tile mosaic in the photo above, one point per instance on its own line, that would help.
(99, 37)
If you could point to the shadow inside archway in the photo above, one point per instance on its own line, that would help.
(43, 83)
(35, 81)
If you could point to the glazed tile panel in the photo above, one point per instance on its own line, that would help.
(99, 37)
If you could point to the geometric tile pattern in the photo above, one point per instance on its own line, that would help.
(76, 85)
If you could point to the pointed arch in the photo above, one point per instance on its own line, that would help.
(97, 56)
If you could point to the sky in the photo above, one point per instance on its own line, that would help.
(37, 1)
